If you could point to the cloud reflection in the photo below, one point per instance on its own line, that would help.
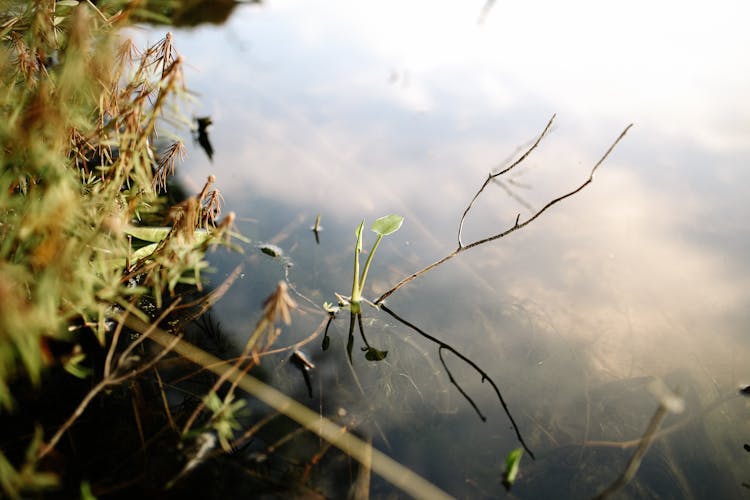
(356, 110)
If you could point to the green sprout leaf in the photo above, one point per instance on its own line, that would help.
(373, 354)
(75, 368)
(147, 233)
(511, 467)
(388, 224)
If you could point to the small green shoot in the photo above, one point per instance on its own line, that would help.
(511, 467)
(384, 226)
(316, 229)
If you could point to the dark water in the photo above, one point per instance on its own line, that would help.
(355, 111)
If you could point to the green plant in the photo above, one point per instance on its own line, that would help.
(383, 226)
(512, 461)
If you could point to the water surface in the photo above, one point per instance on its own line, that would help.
(354, 110)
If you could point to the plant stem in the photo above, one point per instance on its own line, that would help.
(356, 288)
(367, 264)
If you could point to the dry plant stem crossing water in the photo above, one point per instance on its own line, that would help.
(635, 460)
(518, 223)
(386, 467)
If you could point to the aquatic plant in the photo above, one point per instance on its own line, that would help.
(512, 462)
(383, 226)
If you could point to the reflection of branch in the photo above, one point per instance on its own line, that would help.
(512, 194)
(460, 389)
(518, 223)
(442, 345)
(398, 475)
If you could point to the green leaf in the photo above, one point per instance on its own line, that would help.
(152, 234)
(74, 367)
(387, 225)
(511, 467)
(373, 354)
(143, 252)
(358, 234)
(86, 493)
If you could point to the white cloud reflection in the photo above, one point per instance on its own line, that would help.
(361, 109)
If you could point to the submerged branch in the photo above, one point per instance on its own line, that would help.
(457, 386)
(518, 224)
(635, 460)
(485, 377)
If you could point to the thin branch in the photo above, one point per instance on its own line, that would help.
(49, 446)
(113, 347)
(504, 171)
(518, 223)
(485, 376)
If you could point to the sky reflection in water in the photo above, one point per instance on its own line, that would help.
(357, 110)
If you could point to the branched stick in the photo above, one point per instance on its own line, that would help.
(442, 345)
(518, 223)
(504, 171)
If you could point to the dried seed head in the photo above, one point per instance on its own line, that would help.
(278, 305)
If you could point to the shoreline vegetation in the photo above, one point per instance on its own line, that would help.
(88, 234)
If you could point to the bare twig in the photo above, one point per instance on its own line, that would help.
(518, 223)
(504, 171)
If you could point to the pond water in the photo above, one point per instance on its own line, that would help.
(355, 110)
